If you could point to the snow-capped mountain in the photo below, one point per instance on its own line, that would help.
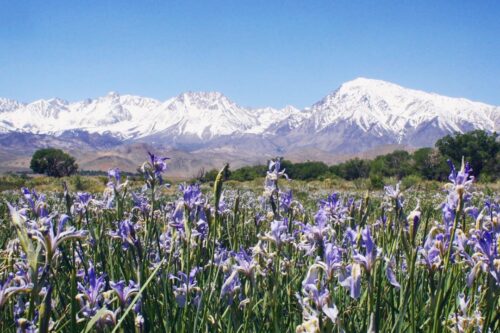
(204, 115)
(388, 109)
(366, 113)
(360, 115)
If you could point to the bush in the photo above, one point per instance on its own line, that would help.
(53, 162)
(376, 182)
(352, 169)
(430, 164)
(478, 147)
(410, 181)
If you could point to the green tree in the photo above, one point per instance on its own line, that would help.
(430, 164)
(305, 170)
(248, 173)
(352, 169)
(478, 147)
(53, 162)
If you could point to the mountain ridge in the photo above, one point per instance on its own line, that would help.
(360, 115)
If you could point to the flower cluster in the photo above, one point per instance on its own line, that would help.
(190, 258)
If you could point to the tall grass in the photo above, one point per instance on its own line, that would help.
(141, 259)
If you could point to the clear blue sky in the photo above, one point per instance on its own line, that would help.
(258, 53)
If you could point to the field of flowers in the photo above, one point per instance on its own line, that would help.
(136, 259)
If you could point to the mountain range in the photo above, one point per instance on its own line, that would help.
(204, 129)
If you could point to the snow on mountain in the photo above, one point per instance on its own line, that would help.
(359, 115)
(268, 117)
(7, 105)
(386, 107)
(388, 113)
(200, 114)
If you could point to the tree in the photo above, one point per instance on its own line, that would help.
(478, 147)
(305, 170)
(430, 164)
(53, 162)
(352, 169)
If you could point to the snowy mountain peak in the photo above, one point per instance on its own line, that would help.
(362, 82)
(112, 94)
(358, 115)
(390, 111)
(204, 100)
(7, 105)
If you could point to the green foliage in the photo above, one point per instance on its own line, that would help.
(410, 181)
(430, 164)
(184, 281)
(480, 148)
(352, 169)
(376, 181)
(305, 170)
(397, 163)
(53, 162)
(248, 173)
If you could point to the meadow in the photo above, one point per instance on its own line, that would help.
(111, 254)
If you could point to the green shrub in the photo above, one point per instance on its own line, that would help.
(53, 162)
(411, 181)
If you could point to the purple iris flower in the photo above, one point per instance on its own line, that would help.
(486, 247)
(50, 238)
(231, 286)
(125, 292)
(430, 253)
(333, 259)
(315, 291)
(473, 212)
(223, 206)
(449, 207)
(126, 233)
(83, 200)
(155, 167)
(245, 263)
(389, 273)
(316, 232)
(177, 217)
(114, 174)
(158, 162)
(279, 232)
(141, 203)
(351, 279)
(461, 181)
(272, 176)
(114, 186)
(166, 242)
(186, 284)
(286, 199)
(91, 298)
(201, 226)
(367, 260)
(36, 202)
(334, 207)
(24, 325)
(394, 193)
(492, 209)
(14, 284)
(221, 256)
(192, 195)
(461, 177)
(350, 237)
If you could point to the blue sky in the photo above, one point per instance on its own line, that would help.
(258, 53)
